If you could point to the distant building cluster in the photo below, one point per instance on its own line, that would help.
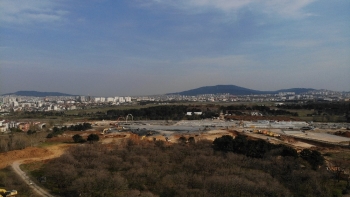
(320, 95)
(58, 103)
(7, 125)
(63, 103)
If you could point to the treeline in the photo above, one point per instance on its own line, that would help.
(331, 108)
(18, 141)
(59, 131)
(39, 114)
(259, 148)
(166, 112)
(140, 168)
(264, 110)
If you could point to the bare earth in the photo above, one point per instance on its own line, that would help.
(30, 154)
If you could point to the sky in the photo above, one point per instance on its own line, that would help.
(148, 47)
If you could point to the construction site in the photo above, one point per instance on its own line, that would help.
(304, 134)
(299, 135)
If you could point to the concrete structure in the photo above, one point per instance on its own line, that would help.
(24, 126)
(109, 99)
(128, 99)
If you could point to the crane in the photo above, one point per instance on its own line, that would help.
(132, 117)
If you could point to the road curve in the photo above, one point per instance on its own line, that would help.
(40, 191)
(56, 152)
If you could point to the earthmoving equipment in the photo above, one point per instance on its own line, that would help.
(132, 117)
(4, 193)
(104, 131)
(241, 124)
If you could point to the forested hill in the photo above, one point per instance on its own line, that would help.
(236, 90)
(37, 94)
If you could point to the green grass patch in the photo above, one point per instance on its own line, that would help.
(48, 144)
(10, 181)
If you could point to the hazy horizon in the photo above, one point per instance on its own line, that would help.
(132, 47)
(111, 95)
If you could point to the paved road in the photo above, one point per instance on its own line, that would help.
(40, 191)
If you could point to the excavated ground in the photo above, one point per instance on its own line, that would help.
(30, 154)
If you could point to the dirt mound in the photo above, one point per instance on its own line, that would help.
(30, 152)
(343, 133)
(233, 132)
(255, 118)
(346, 134)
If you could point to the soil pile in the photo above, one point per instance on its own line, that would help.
(255, 118)
(343, 133)
(30, 152)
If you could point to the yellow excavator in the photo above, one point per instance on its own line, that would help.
(4, 193)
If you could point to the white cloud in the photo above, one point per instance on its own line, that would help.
(27, 12)
(287, 8)
(283, 8)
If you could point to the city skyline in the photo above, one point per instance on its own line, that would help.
(104, 47)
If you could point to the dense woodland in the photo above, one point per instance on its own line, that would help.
(329, 111)
(264, 110)
(165, 112)
(322, 108)
(20, 140)
(178, 112)
(140, 168)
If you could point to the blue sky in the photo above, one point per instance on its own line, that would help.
(146, 47)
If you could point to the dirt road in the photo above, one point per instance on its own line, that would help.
(48, 153)
(40, 191)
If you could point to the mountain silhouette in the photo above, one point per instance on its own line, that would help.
(236, 90)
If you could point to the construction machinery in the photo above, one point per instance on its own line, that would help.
(105, 131)
(5, 193)
(241, 123)
(132, 117)
(116, 123)
(112, 132)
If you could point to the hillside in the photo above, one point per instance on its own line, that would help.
(236, 90)
(37, 94)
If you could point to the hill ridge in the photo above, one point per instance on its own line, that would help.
(235, 90)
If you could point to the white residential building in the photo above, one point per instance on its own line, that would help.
(97, 99)
(109, 99)
(127, 99)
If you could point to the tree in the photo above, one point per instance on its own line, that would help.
(93, 138)
(182, 140)
(30, 132)
(50, 135)
(224, 143)
(191, 140)
(289, 151)
(78, 138)
(314, 158)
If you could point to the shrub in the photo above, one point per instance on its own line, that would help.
(78, 138)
